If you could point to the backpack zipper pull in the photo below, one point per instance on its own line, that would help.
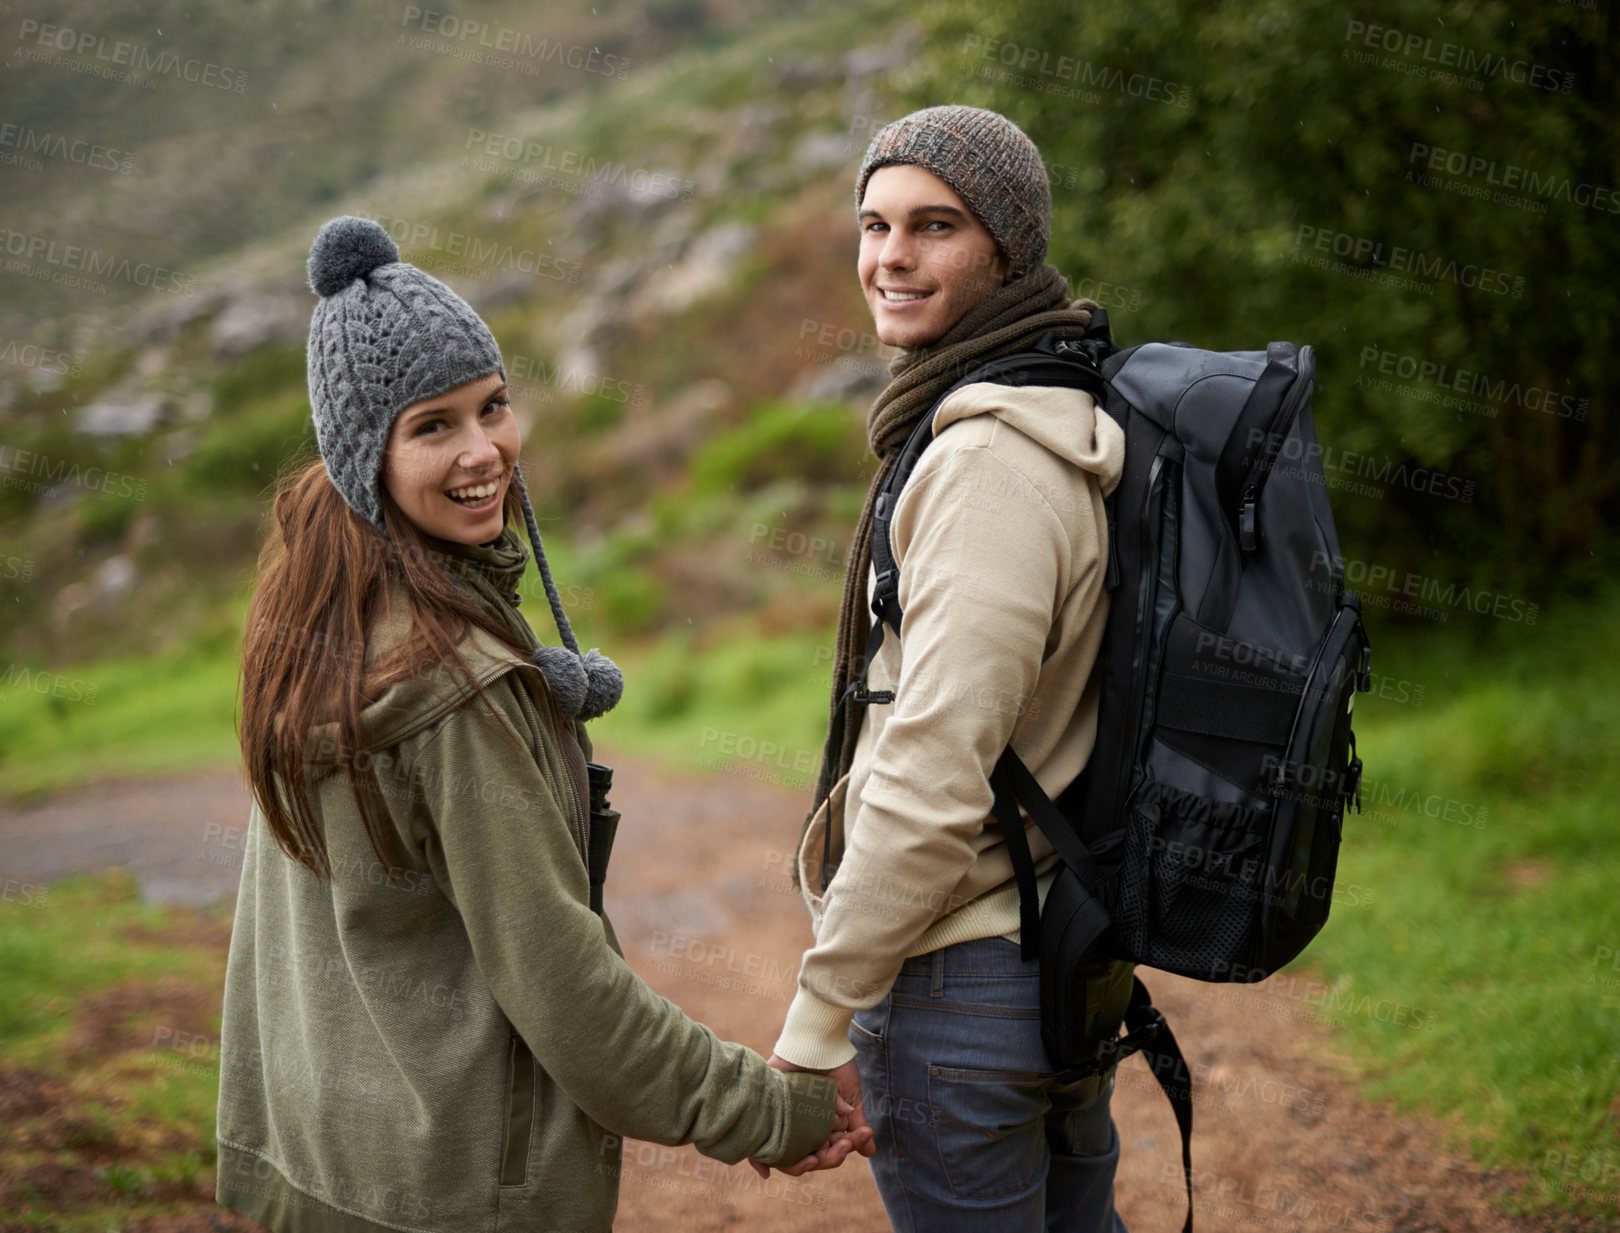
(1248, 533)
(1111, 574)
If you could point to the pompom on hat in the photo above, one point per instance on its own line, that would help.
(385, 335)
(990, 163)
(345, 249)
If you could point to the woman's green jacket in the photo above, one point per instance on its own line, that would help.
(452, 1040)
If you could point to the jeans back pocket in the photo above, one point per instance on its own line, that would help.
(990, 1128)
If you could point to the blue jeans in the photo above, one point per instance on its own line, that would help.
(972, 1133)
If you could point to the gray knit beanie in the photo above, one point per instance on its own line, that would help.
(385, 335)
(990, 163)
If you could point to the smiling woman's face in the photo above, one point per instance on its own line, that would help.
(449, 461)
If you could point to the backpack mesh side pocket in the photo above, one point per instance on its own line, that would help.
(1192, 880)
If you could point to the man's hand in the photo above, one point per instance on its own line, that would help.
(850, 1133)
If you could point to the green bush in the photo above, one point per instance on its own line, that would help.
(780, 441)
(245, 455)
(267, 372)
(104, 517)
(599, 414)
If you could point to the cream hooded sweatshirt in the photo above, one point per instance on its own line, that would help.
(1002, 544)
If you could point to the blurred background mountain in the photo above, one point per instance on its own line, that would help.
(651, 205)
(646, 208)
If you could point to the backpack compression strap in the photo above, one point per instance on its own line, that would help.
(1145, 1028)
(1147, 1032)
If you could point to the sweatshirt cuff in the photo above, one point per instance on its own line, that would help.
(812, 1106)
(816, 1034)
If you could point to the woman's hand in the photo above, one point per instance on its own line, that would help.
(840, 1143)
(850, 1132)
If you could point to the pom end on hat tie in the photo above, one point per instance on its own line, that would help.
(604, 685)
(586, 686)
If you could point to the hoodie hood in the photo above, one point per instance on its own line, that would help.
(1065, 421)
(492, 574)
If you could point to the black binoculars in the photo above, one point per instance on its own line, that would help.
(604, 825)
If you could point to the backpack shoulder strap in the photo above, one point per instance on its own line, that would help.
(1071, 365)
(886, 591)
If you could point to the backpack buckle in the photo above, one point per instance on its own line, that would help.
(1352, 778)
(1279, 778)
(1116, 1049)
(857, 692)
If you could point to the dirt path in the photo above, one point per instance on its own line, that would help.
(700, 897)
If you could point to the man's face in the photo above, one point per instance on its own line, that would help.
(925, 259)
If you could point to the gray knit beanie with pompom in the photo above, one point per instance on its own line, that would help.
(385, 335)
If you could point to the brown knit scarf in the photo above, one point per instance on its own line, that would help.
(1010, 320)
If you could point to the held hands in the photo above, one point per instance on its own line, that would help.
(850, 1131)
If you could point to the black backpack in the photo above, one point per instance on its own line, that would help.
(1203, 836)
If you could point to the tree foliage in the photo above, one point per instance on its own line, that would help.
(1428, 193)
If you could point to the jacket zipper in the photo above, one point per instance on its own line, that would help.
(573, 759)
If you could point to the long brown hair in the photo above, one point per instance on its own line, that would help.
(323, 581)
